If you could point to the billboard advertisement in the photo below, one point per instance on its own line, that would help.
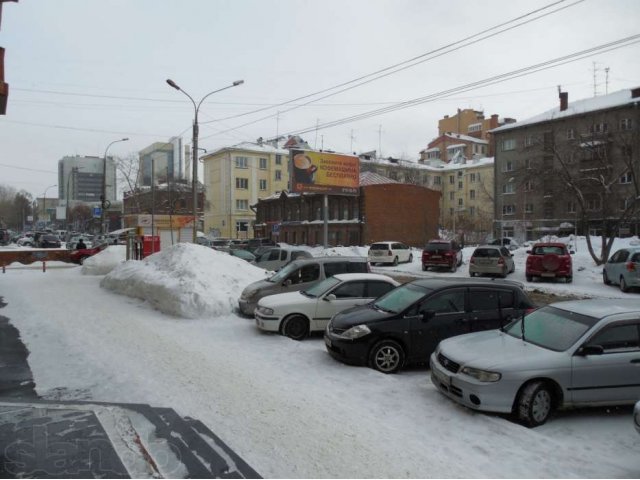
(322, 172)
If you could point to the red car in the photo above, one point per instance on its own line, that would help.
(442, 254)
(79, 256)
(549, 260)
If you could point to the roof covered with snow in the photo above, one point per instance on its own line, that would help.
(579, 107)
(250, 147)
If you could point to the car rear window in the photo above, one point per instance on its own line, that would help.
(486, 252)
(379, 246)
(434, 247)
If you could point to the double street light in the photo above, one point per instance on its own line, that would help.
(103, 197)
(194, 155)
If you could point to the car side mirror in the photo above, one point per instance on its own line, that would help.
(590, 350)
(329, 298)
(287, 282)
(428, 315)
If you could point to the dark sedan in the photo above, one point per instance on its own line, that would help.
(49, 241)
(405, 325)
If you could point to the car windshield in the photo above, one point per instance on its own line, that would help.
(551, 328)
(400, 298)
(319, 288)
(283, 273)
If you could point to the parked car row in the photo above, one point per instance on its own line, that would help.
(488, 347)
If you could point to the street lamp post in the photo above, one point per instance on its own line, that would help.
(194, 155)
(103, 197)
(44, 204)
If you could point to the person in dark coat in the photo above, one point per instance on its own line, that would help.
(80, 245)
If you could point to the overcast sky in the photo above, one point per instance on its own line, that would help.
(83, 73)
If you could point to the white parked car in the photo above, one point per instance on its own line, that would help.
(295, 314)
(390, 252)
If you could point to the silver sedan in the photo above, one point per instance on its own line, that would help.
(576, 353)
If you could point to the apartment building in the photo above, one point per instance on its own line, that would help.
(237, 177)
(572, 169)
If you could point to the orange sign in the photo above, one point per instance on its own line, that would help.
(321, 172)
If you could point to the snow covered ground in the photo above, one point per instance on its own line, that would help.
(164, 331)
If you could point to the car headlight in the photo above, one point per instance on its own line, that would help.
(248, 294)
(481, 375)
(264, 310)
(356, 332)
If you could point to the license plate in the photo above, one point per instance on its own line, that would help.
(436, 257)
(547, 274)
(442, 377)
(327, 342)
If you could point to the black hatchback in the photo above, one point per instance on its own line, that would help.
(405, 325)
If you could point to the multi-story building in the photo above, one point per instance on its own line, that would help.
(80, 179)
(466, 187)
(454, 147)
(166, 158)
(237, 177)
(472, 123)
(574, 168)
(382, 206)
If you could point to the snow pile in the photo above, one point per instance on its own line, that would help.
(105, 261)
(185, 280)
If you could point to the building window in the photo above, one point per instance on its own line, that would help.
(263, 164)
(527, 186)
(242, 226)
(437, 180)
(242, 162)
(472, 177)
(263, 184)
(242, 183)
(278, 175)
(460, 173)
(528, 163)
(242, 204)
(508, 188)
(508, 144)
(472, 211)
(393, 175)
(452, 180)
(571, 134)
(508, 210)
(451, 195)
(624, 203)
(460, 202)
(528, 208)
(626, 178)
(278, 159)
(507, 166)
(528, 141)
(459, 185)
(594, 203)
(472, 194)
(571, 206)
(475, 127)
(626, 124)
(598, 128)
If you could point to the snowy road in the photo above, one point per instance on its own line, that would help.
(286, 407)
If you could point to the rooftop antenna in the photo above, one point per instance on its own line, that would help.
(595, 84)
(606, 81)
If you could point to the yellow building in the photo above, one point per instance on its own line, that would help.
(234, 179)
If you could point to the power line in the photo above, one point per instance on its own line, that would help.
(28, 169)
(410, 62)
(625, 42)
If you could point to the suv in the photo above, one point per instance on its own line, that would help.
(491, 259)
(549, 260)
(389, 252)
(405, 325)
(298, 275)
(442, 254)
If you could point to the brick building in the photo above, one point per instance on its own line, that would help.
(384, 210)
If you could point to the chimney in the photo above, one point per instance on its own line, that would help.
(564, 100)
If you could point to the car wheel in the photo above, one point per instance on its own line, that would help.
(605, 278)
(386, 357)
(568, 279)
(623, 285)
(529, 278)
(395, 261)
(82, 259)
(535, 404)
(424, 268)
(504, 274)
(295, 327)
(411, 258)
(460, 262)
(453, 267)
(472, 274)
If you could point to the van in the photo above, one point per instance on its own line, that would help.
(278, 257)
(298, 275)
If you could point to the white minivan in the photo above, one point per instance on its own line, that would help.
(390, 253)
(277, 257)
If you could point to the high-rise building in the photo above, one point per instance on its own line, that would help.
(80, 179)
(163, 161)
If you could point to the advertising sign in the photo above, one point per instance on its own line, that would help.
(322, 172)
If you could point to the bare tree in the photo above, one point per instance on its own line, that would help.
(128, 170)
